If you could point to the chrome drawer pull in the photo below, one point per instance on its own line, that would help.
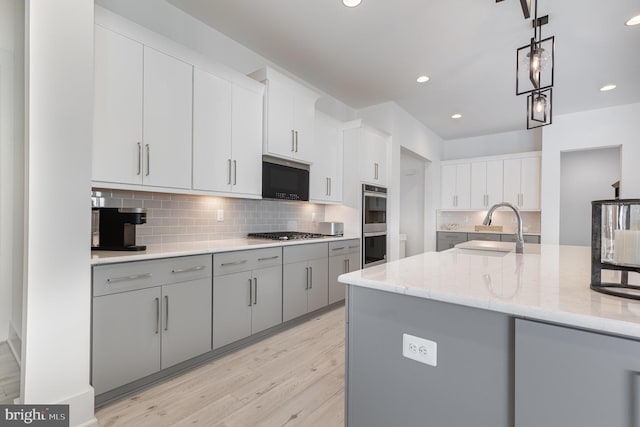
(127, 278)
(188, 270)
(338, 249)
(166, 307)
(224, 264)
(354, 247)
(268, 258)
(250, 293)
(157, 315)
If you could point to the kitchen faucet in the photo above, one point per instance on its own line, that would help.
(519, 236)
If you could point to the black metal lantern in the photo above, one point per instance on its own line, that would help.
(534, 65)
(539, 108)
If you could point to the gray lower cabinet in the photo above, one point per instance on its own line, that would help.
(344, 257)
(572, 378)
(246, 302)
(305, 282)
(148, 316)
(448, 240)
(484, 236)
(527, 238)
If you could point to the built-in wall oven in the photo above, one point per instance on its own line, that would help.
(374, 225)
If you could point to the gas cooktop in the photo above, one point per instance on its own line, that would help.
(285, 235)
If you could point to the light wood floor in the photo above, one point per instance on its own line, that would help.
(9, 375)
(295, 378)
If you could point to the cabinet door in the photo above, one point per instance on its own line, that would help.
(267, 299)
(212, 165)
(337, 266)
(126, 337)
(326, 170)
(117, 114)
(247, 141)
(373, 159)
(448, 186)
(295, 281)
(318, 293)
(494, 182)
(568, 377)
(231, 308)
(463, 186)
(530, 183)
(167, 120)
(303, 123)
(186, 320)
(279, 116)
(512, 181)
(478, 185)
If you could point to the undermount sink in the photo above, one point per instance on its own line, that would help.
(492, 248)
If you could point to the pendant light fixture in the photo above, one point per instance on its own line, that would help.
(534, 69)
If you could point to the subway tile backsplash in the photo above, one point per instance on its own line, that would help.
(465, 220)
(173, 218)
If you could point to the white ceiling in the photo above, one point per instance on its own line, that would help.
(373, 53)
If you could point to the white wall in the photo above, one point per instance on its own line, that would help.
(585, 175)
(520, 141)
(57, 317)
(587, 130)
(411, 134)
(412, 201)
(171, 22)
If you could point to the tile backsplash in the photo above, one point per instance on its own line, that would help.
(173, 218)
(468, 219)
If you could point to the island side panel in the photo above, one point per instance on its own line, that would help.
(471, 384)
(572, 378)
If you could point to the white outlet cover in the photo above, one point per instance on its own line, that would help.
(420, 349)
(220, 214)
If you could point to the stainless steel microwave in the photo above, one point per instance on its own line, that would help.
(284, 180)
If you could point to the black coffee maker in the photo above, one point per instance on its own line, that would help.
(114, 229)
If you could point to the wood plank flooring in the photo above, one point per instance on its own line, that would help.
(295, 378)
(9, 375)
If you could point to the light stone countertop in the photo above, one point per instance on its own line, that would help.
(471, 230)
(169, 250)
(548, 283)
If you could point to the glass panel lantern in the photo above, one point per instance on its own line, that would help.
(615, 246)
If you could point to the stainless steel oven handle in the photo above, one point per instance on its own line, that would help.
(375, 234)
(378, 195)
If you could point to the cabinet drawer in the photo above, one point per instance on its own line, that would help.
(484, 236)
(527, 238)
(114, 278)
(234, 262)
(297, 253)
(457, 237)
(344, 247)
(129, 276)
(187, 268)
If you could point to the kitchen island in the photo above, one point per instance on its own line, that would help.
(521, 341)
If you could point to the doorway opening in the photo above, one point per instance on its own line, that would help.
(412, 202)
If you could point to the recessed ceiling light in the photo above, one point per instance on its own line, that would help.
(606, 88)
(633, 21)
(351, 3)
(456, 116)
(422, 79)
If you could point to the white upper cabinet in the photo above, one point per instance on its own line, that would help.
(289, 115)
(522, 182)
(167, 120)
(326, 171)
(117, 118)
(227, 135)
(486, 183)
(142, 114)
(456, 186)
(365, 154)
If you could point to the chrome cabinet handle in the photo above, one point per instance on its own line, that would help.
(250, 292)
(310, 277)
(296, 141)
(166, 312)
(235, 170)
(293, 140)
(354, 247)
(338, 249)
(348, 265)
(157, 315)
(268, 258)
(327, 179)
(229, 168)
(188, 270)
(139, 158)
(148, 159)
(345, 269)
(330, 187)
(224, 264)
(127, 278)
(375, 171)
(307, 271)
(255, 291)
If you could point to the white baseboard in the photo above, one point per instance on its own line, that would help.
(81, 408)
(15, 343)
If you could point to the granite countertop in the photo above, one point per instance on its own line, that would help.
(169, 250)
(547, 283)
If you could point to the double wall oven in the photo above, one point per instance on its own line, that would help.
(374, 225)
